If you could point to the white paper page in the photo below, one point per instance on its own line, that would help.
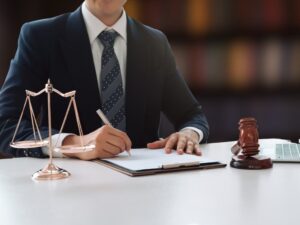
(143, 159)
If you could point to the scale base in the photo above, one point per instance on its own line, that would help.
(50, 172)
(255, 162)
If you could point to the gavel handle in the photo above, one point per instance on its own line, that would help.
(235, 149)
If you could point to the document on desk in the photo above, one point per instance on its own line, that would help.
(147, 161)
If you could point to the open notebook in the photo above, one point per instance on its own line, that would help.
(146, 162)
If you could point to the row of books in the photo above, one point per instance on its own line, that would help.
(240, 64)
(203, 16)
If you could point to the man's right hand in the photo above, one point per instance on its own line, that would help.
(108, 141)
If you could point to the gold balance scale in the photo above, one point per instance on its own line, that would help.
(50, 171)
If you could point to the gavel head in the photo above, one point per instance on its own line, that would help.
(248, 138)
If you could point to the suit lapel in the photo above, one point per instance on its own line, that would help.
(135, 82)
(77, 52)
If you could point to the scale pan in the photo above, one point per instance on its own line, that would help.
(74, 148)
(29, 144)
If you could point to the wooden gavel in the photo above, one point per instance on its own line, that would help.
(248, 138)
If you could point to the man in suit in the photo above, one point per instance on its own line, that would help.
(114, 63)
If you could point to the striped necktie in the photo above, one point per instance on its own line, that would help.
(112, 93)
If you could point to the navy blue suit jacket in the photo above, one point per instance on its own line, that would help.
(58, 48)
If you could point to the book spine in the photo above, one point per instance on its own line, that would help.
(199, 18)
(133, 9)
(241, 65)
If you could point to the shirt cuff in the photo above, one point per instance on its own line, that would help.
(57, 140)
(199, 132)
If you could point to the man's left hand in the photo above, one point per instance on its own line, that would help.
(183, 141)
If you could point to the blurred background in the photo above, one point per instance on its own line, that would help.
(241, 58)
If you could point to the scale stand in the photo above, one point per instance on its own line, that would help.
(50, 171)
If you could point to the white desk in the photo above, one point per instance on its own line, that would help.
(98, 195)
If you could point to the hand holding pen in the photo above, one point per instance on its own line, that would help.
(106, 122)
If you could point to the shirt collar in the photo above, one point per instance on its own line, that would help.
(95, 26)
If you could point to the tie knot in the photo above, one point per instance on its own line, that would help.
(107, 38)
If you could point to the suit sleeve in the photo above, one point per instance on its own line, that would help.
(27, 71)
(178, 102)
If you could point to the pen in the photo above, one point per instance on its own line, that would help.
(106, 121)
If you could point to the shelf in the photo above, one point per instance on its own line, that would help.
(246, 92)
(185, 37)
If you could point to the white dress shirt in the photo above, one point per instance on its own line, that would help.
(94, 28)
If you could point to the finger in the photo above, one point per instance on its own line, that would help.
(171, 143)
(190, 147)
(101, 153)
(112, 149)
(113, 144)
(157, 144)
(117, 142)
(121, 135)
(181, 144)
(126, 139)
(198, 149)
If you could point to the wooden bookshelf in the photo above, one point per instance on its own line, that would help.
(235, 51)
(238, 44)
(240, 57)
